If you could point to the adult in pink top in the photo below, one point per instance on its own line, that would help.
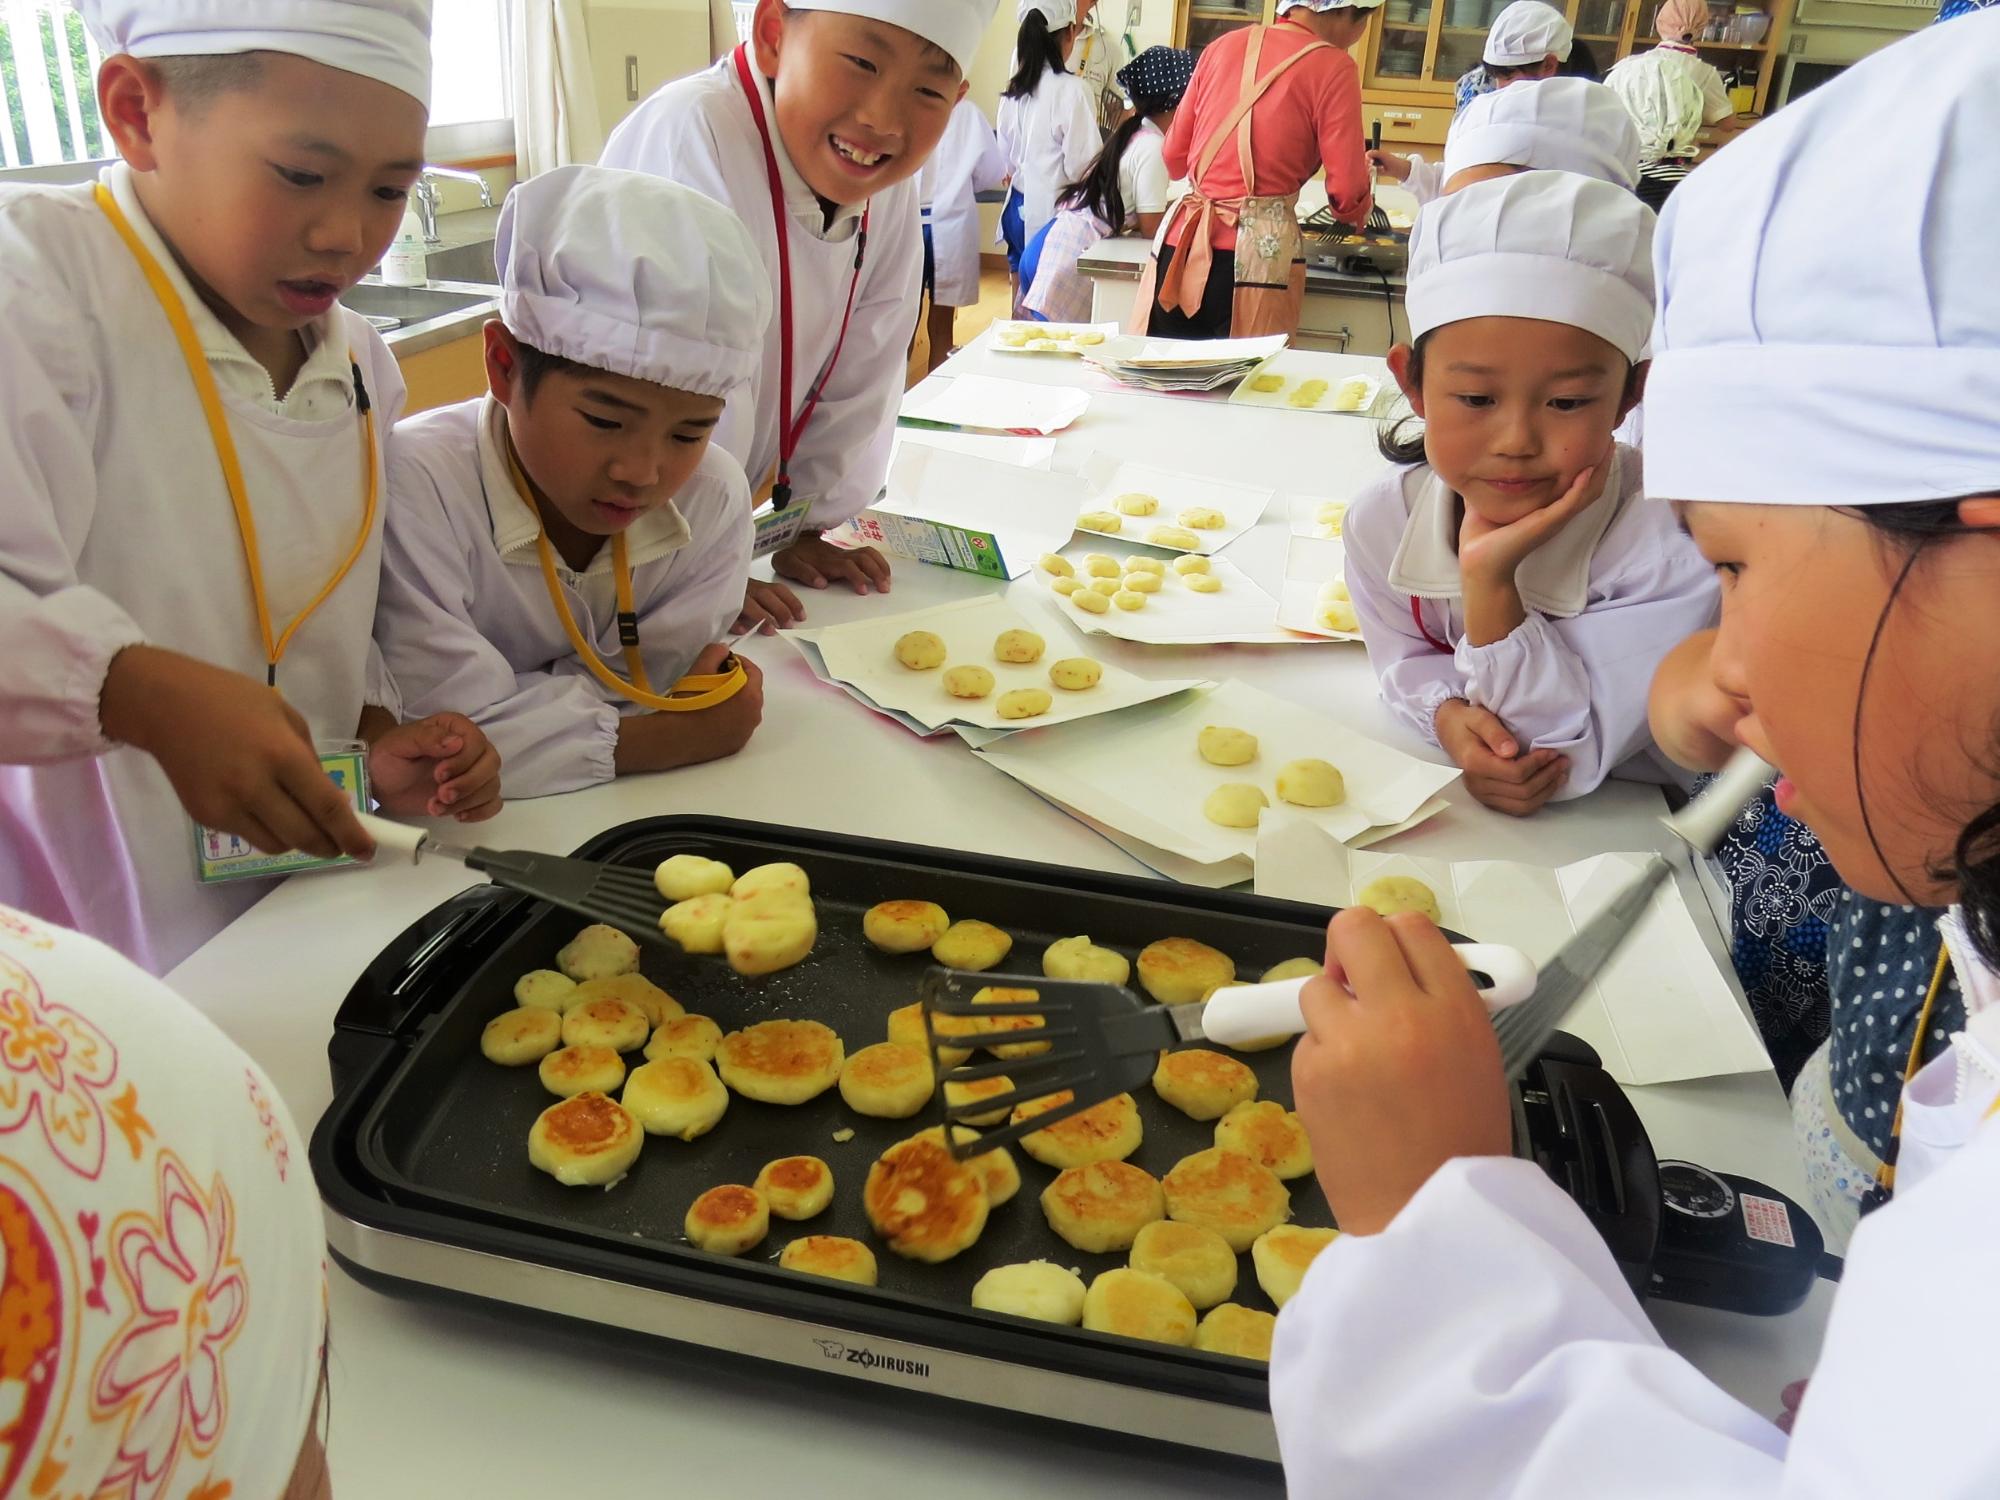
(1269, 106)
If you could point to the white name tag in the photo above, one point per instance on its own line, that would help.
(223, 856)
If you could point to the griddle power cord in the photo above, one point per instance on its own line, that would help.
(1830, 1267)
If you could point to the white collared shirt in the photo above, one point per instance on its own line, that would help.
(1050, 139)
(1607, 598)
(466, 621)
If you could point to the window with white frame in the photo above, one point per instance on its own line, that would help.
(48, 84)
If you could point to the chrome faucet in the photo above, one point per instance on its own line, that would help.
(426, 195)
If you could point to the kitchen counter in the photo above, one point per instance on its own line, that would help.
(431, 1399)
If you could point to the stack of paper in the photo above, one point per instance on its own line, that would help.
(1182, 364)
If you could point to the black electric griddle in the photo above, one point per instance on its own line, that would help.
(422, 1158)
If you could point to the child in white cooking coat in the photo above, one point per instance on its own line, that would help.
(814, 132)
(967, 162)
(1828, 421)
(1514, 590)
(564, 551)
(1556, 124)
(191, 464)
(1048, 125)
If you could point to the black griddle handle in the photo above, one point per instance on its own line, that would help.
(423, 965)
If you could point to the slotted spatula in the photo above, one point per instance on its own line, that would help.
(1104, 1040)
(618, 895)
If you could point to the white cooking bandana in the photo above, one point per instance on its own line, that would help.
(1526, 32)
(1561, 124)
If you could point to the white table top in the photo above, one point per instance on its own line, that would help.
(431, 1399)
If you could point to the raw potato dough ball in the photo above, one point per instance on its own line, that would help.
(1141, 583)
(1202, 518)
(889, 1080)
(1019, 646)
(544, 989)
(1001, 995)
(1187, 566)
(906, 1025)
(1138, 1306)
(1311, 783)
(1065, 586)
(927, 1206)
(1203, 1085)
(1110, 1131)
(1153, 565)
(780, 1062)
(1197, 1260)
(1234, 1329)
(1056, 565)
(1173, 536)
(570, 1071)
(1177, 970)
(1137, 505)
(920, 650)
(1088, 338)
(1035, 1289)
(765, 879)
(1074, 674)
(1390, 894)
(968, 682)
(1203, 583)
(1235, 804)
(1104, 522)
(1269, 1134)
(685, 1036)
(1101, 1207)
(963, 1095)
(685, 876)
(1291, 968)
(833, 1256)
(1332, 590)
(1227, 1192)
(677, 1096)
(972, 945)
(1080, 958)
(516, 1038)
(797, 1187)
(764, 936)
(605, 1023)
(1267, 385)
(1024, 703)
(1338, 614)
(697, 924)
(1097, 565)
(1222, 746)
(598, 952)
(728, 1220)
(587, 1141)
(1283, 1254)
(1350, 393)
(1105, 586)
(1129, 601)
(1091, 602)
(904, 926)
(1332, 517)
(1310, 393)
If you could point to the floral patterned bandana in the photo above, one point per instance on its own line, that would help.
(162, 1288)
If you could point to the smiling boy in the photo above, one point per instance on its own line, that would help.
(814, 133)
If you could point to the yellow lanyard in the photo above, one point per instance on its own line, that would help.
(225, 445)
(689, 695)
(1885, 1175)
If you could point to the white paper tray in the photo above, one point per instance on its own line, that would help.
(1061, 332)
(1027, 512)
(1659, 1012)
(1300, 365)
(1105, 478)
(1140, 772)
(1309, 564)
(1241, 614)
(984, 404)
(861, 656)
(1304, 516)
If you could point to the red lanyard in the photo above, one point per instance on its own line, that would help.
(791, 428)
(1417, 614)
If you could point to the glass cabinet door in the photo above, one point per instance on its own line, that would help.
(1406, 27)
(1462, 38)
(1209, 19)
(1601, 21)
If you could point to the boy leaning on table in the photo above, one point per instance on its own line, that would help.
(191, 459)
(563, 553)
(814, 132)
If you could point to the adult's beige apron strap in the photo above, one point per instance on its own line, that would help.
(1188, 275)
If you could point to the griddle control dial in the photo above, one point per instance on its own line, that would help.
(1695, 1192)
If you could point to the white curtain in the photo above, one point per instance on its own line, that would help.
(555, 107)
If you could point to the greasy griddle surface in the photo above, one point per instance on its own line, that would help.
(453, 1127)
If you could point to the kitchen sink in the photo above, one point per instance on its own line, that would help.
(432, 314)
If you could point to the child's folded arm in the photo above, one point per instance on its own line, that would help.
(1415, 678)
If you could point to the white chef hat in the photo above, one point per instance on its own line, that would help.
(387, 40)
(1326, 5)
(954, 25)
(1548, 245)
(165, 1254)
(1526, 32)
(1794, 369)
(627, 272)
(1055, 13)
(1563, 124)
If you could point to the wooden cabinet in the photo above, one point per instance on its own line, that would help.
(1199, 22)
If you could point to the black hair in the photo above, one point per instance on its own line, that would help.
(1401, 440)
(1039, 52)
(1975, 861)
(196, 81)
(1099, 190)
(537, 365)
(1581, 63)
